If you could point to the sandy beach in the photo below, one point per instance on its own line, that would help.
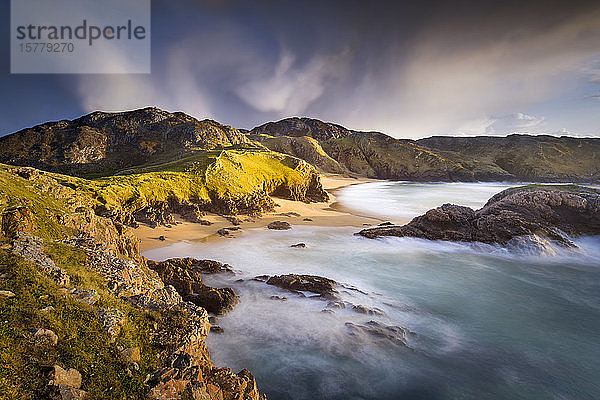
(328, 213)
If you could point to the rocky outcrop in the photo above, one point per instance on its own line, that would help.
(298, 127)
(185, 275)
(553, 212)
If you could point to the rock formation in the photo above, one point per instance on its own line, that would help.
(553, 212)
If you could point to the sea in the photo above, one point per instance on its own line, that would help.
(481, 321)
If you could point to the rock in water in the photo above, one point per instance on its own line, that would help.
(279, 225)
(185, 275)
(324, 287)
(549, 212)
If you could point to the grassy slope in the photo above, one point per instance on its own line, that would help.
(83, 343)
(203, 178)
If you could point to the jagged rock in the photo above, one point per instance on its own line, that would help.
(324, 287)
(280, 298)
(16, 219)
(279, 225)
(87, 296)
(7, 294)
(68, 377)
(223, 232)
(185, 274)
(299, 245)
(46, 334)
(546, 211)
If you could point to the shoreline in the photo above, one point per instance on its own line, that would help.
(329, 213)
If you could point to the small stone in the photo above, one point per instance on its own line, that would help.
(43, 297)
(280, 298)
(162, 238)
(47, 309)
(326, 311)
(131, 354)
(216, 329)
(223, 232)
(47, 334)
(213, 320)
(7, 293)
(299, 245)
(68, 377)
(307, 219)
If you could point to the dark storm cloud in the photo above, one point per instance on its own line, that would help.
(407, 68)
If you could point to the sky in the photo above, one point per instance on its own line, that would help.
(410, 69)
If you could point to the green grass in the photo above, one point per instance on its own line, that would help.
(83, 344)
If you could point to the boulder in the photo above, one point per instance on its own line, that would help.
(185, 275)
(551, 212)
(68, 377)
(324, 287)
(279, 225)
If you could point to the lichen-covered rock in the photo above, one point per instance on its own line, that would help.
(16, 219)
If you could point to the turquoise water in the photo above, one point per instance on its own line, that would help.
(488, 323)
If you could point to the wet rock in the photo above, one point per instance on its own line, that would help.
(47, 335)
(216, 329)
(68, 377)
(280, 298)
(299, 245)
(307, 219)
(213, 320)
(305, 283)
(185, 275)
(546, 211)
(327, 311)
(279, 225)
(366, 310)
(7, 294)
(223, 232)
(394, 334)
(162, 238)
(205, 222)
(336, 304)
